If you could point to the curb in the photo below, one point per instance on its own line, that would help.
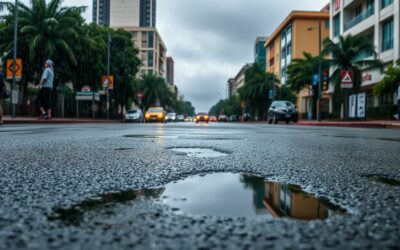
(55, 121)
(352, 125)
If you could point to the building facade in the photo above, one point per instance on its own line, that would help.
(170, 71)
(101, 12)
(152, 50)
(378, 20)
(121, 13)
(298, 33)
(259, 51)
(237, 82)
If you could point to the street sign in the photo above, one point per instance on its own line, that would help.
(346, 79)
(315, 79)
(18, 69)
(87, 96)
(85, 88)
(271, 94)
(361, 101)
(109, 84)
(14, 96)
(139, 96)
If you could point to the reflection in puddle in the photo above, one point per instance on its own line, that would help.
(383, 179)
(152, 136)
(199, 152)
(235, 195)
(74, 215)
(221, 194)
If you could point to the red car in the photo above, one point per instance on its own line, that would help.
(202, 117)
(213, 119)
(222, 118)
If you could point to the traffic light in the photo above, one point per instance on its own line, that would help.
(325, 81)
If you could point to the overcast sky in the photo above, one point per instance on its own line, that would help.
(210, 40)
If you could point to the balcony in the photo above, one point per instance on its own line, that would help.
(358, 19)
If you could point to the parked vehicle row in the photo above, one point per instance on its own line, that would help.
(278, 111)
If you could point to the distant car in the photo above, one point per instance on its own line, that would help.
(180, 118)
(202, 117)
(233, 118)
(171, 117)
(155, 114)
(282, 111)
(222, 118)
(135, 115)
(246, 117)
(213, 119)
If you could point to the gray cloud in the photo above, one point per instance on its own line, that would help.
(211, 40)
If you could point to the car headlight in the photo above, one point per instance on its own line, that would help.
(147, 116)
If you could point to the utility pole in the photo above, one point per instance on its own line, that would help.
(108, 74)
(14, 84)
(319, 71)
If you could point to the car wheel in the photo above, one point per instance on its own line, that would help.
(287, 121)
(269, 120)
(275, 119)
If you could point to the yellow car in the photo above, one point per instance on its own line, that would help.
(155, 114)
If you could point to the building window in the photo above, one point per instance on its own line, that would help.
(385, 3)
(327, 24)
(150, 39)
(336, 25)
(358, 11)
(387, 35)
(370, 6)
(150, 59)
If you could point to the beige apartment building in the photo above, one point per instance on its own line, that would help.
(151, 48)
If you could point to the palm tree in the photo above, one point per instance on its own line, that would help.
(300, 73)
(255, 90)
(351, 53)
(46, 30)
(155, 90)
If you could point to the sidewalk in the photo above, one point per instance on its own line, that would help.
(33, 120)
(355, 124)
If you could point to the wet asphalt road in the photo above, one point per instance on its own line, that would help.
(44, 168)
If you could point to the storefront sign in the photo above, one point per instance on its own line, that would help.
(366, 77)
(357, 105)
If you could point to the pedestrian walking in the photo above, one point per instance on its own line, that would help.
(2, 90)
(397, 116)
(46, 89)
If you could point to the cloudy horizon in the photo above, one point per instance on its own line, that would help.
(211, 40)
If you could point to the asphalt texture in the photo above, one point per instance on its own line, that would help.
(45, 168)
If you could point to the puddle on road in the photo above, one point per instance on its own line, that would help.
(383, 179)
(220, 194)
(75, 214)
(200, 152)
(236, 195)
(152, 136)
(124, 149)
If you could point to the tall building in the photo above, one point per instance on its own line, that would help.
(101, 12)
(298, 33)
(378, 20)
(122, 13)
(170, 71)
(259, 51)
(139, 18)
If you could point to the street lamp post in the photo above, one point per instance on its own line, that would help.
(108, 74)
(319, 95)
(319, 72)
(14, 85)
